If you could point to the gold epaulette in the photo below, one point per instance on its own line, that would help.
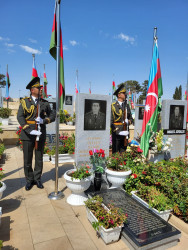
(28, 110)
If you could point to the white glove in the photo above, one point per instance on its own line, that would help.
(35, 132)
(39, 120)
(127, 121)
(124, 133)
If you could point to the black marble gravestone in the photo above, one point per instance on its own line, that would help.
(144, 229)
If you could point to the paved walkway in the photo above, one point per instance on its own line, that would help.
(31, 221)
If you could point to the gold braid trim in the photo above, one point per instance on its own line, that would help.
(30, 110)
(25, 126)
(48, 120)
(118, 114)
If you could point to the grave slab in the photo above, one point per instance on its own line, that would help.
(144, 229)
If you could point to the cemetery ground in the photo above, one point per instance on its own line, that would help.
(31, 221)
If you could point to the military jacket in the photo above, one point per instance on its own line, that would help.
(94, 122)
(118, 117)
(27, 113)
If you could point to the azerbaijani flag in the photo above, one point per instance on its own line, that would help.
(45, 86)
(113, 87)
(7, 86)
(132, 101)
(53, 45)
(153, 102)
(34, 70)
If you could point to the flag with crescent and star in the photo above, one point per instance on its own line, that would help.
(153, 102)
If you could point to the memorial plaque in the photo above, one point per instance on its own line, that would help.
(139, 112)
(93, 114)
(69, 104)
(174, 113)
(144, 229)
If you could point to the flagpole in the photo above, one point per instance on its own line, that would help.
(7, 87)
(57, 195)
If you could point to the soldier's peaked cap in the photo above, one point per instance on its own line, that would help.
(121, 89)
(34, 83)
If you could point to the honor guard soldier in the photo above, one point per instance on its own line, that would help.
(121, 118)
(33, 115)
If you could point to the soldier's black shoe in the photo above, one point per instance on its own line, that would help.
(39, 184)
(28, 186)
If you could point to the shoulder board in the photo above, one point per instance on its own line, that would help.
(25, 98)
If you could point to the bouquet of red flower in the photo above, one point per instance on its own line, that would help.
(97, 158)
(19, 142)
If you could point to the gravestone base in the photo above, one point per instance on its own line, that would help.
(144, 229)
(159, 245)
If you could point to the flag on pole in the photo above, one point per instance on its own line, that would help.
(113, 87)
(45, 95)
(34, 70)
(7, 86)
(153, 102)
(90, 90)
(132, 101)
(76, 85)
(53, 45)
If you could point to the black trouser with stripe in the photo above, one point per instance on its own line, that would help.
(28, 148)
(118, 143)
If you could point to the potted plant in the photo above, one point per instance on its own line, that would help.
(69, 120)
(78, 180)
(97, 159)
(153, 199)
(108, 222)
(4, 114)
(2, 149)
(66, 149)
(2, 184)
(158, 146)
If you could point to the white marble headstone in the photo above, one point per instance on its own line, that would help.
(69, 104)
(87, 139)
(177, 133)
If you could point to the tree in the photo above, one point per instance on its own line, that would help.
(2, 81)
(178, 93)
(144, 91)
(132, 85)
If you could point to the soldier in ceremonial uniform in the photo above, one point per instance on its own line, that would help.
(120, 120)
(28, 118)
(95, 120)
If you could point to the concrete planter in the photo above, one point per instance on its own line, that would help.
(108, 235)
(63, 158)
(77, 188)
(2, 189)
(117, 178)
(5, 121)
(46, 158)
(163, 214)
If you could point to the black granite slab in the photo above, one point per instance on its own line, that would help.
(143, 226)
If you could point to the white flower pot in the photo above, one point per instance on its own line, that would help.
(117, 178)
(163, 214)
(63, 158)
(77, 188)
(108, 235)
(2, 189)
(5, 121)
(46, 157)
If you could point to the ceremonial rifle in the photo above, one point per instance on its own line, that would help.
(37, 126)
(125, 125)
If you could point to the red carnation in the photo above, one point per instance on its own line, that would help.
(139, 150)
(1, 169)
(134, 176)
(87, 171)
(144, 172)
(90, 152)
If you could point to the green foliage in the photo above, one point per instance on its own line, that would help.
(81, 172)
(2, 81)
(126, 160)
(5, 112)
(1, 244)
(168, 177)
(144, 91)
(133, 85)
(97, 158)
(108, 218)
(2, 148)
(178, 93)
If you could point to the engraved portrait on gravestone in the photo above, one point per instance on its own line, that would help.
(95, 115)
(68, 100)
(141, 113)
(176, 117)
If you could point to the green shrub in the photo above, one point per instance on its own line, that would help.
(5, 112)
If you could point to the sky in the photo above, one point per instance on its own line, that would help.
(104, 40)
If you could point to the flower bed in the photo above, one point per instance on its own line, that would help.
(168, 177)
